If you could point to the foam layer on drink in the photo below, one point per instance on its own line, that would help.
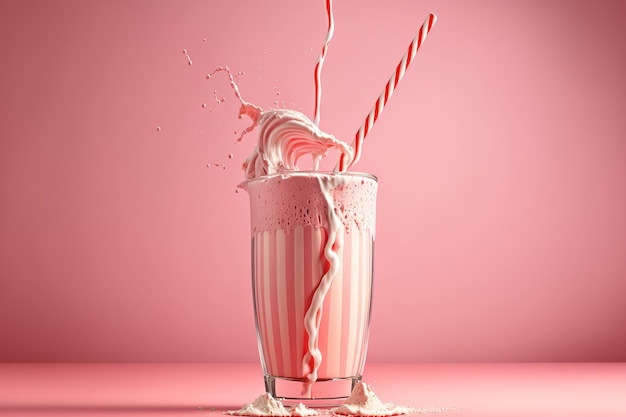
(287, 201)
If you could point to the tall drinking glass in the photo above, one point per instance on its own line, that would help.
(312, 263)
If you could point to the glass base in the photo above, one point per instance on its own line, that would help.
(324, 392)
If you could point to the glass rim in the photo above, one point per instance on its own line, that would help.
(311, 173)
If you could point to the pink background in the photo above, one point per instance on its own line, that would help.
(501, 159)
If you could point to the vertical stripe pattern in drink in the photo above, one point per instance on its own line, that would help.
(287, 269)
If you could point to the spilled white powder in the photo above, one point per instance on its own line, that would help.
(302, 410)
(364, 402)
(265, 405)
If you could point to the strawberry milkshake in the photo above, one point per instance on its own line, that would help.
(312, 246)
(312, 256)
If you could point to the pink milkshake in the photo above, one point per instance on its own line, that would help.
(312, 253)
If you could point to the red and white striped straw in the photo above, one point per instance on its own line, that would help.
(386, 93)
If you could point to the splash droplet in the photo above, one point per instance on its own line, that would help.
(231, 156)
(203, 105)
(187, 56)
(158, 128)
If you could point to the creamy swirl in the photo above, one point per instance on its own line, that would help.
(284, 137)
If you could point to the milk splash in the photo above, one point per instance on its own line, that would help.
(285, 136)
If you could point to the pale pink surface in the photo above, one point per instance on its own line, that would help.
(501, 158)
(468, 390)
